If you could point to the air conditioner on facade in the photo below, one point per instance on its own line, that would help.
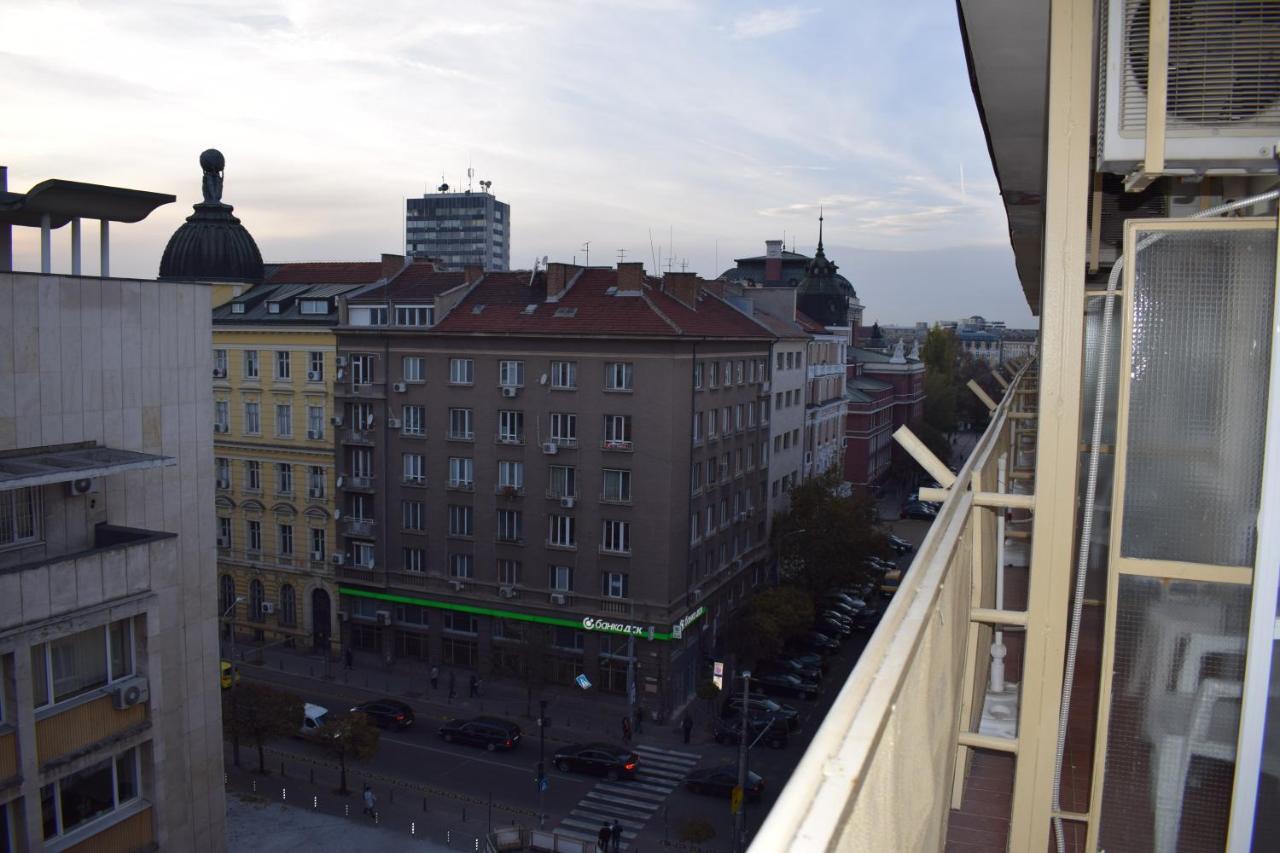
(343, 616)
(341, 374)
(456, 584)
(400, 387)
(393, 423)
(1222, 107)
(268, 608)
(336, 420)
(83, 486)
(315, 492)
(567, 502)
(340, 360)
(557, 598)
(507, 591)
(219, 373)
(129, 692)
(339, 559)
(765, 386)
(221, 428)
(315, 434)
(314, 376)
(341, 479)
(224, 542)
(510, 390)
(317, 556)
(550, 448)
(384, 617)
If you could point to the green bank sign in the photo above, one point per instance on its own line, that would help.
(587, 623)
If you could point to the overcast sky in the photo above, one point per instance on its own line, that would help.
(703, 127)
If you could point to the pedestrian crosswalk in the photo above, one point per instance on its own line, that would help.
(630, 802)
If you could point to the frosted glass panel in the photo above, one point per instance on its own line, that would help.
(1202, 310)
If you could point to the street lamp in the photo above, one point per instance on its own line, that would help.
(235, 707)
(239, 599)
(542, 757)
(744, 742)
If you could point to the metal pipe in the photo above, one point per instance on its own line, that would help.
(979, 741)
(104, 249)
(998, 651)
(923, 456)
(75, 245)
(46, 244)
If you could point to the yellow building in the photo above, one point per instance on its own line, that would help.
(274, 465)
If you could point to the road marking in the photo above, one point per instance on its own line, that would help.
(692, 756)
(661, 775)
(597, 810)
(610, 798)
(628, 791)
(573, 821)
(662, 789)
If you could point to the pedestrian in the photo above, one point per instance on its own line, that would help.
(435, 677)
(626, 728)
(452, 687)
(615, 832)
(639, 720)
(602, 838)
(686, 725)
(369, 802)
(346, 658)
(471, 686)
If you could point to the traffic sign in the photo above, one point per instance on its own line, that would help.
(735, 799)
(544, 783)
(583, 682)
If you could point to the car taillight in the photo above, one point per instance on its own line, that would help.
(400, 718)
(630, 765)
(508, 741)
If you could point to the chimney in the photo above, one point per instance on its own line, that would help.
(630, 275)
(471, 273)
(391, 265)
(682, 286)
(772, 260)
(558, 275)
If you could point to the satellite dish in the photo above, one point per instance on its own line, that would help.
(542, 380)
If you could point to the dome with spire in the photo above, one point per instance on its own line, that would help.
(822, 294)
(212, 245)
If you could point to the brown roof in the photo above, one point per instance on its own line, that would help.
(325, 272)
(419, 280)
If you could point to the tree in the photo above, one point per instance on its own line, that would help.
(349, 737)
(823, 538)
(533, 660)
(709, 693)
(259, 712)
(762, 627)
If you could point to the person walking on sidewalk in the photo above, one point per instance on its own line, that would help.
(435, 677)
(602, 838)
(615, 833)
(346, 658)
(452, 687)
(370, 801)
(471, 686)
(686, 725)
(626, 728)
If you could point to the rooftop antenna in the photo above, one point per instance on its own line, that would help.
(652, 254)
(586, 247)
(684, 264)
(622, 255)
(470, 172)
(717, 266)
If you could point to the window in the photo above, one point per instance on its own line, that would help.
(713, 418)
(695, 477)
(413, 560)
(779, 367)
(411, 515)
(511, 427)
(510, 525)
(315, 422)
(726, 420)
(616, 536)
(360, 415)
(253, 475)
(462, 371)
(462, 623)
(617, 376)
(697, 375)
(282, 365)
(89, 793)
(617, 431)
(315, 367)
(727, 374)
(413, 368)
(361, 462)
(560, 578)
(70, 666)
(252, 419)
(288, 606)
(562, 482)
(221, 416)
(711, 471)
(561, 531)
(284, 478)
(460, 566)
(221, 476)
(219, 364)
(751, 415)
(362, 555)
(367, 315)
(511, 374)
(695, 526)
(284, 533)
(361, 369)
(251, 364)
(413, 420)
(284, 420)
(714, 367)
(313, 306)
(224, 532)
(740, 371)
(567, 638)
(460, 428)
(737, 417)
(317, 543)
(461, 520)
(564, 375)
(418, 316)
(737, 462)
(413, 468)
(564, 428)
(617, 486)
(253, 535)
(510, 474)
(697, 427)
(614, 585)
(508, 572)
(461, 472)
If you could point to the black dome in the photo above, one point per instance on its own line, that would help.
(212, 245)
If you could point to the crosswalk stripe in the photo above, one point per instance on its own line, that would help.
(669, 774)
(576, 833)
(648, 762)
(626, 822)
(690, 755)
(631, 791)
(652, 786)
(591, 807)
(611, 798)
(573, 821)
(631, 802)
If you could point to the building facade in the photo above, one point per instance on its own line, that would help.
(576, 458)
(459, 229)
(869, 426)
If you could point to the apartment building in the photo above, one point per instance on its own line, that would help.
(274, 365)
(459, 229)
(868, 428)
(110, 723)
(580, 451)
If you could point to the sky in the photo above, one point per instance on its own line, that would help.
(680, 131)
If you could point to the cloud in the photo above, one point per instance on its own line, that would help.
(768, 22)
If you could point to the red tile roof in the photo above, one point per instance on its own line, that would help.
(325, 272)
(418, 281)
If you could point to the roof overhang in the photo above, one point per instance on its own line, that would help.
(1006, 43)
(63, 201)
(46, 466)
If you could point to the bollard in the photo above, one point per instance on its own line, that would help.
(391, 795)
(284, 795)
(424, 805)
(282, 768)
(315, 801)
(313, 775)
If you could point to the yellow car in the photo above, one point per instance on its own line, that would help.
(225, 675)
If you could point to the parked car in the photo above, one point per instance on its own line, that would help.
(834, 626)
(880, 563)
(900, 545)
(844, 601)
(387, 713)
(868, 619)
(314, 718)
(784, 684)
(790, 666)
(919, 511)
(763, 707)
(816, 642)
(889, 584)
(811, 661)
(772, 733)
(490, 732)
(720, 782)
(597, 759)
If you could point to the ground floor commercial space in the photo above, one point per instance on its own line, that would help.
(287, 605)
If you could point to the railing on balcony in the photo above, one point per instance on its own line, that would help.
(881, 766)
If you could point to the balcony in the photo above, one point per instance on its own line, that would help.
(617, 445)
(358, 436)
(362, 390)
(358, 527)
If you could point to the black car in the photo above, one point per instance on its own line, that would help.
(814, 662)
(790, 666)
(918, 511)
(490, 732)
(772, 733)
(784, 684)
(386, 713)
(763, 707)
(839, 605)
(834, 627)
(720, 782)
(597, 759)
(868, 619)
(899, 545)
(816, 641)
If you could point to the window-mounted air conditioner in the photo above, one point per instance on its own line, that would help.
(510, 390)
(566, 502)
(384, 617)
(550, 448)
(268, 608)
(1222, 107)
(393, 423)
(339, 559)
(314, 376)
(340, 361)
(557, 598)
(129, 692)
(507, 591)
(400, 387)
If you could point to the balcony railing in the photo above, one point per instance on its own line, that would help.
(895, 725)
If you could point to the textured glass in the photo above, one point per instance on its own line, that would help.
(1099, 552)
(1266, 816)
(1174, 717)
(1198, 394)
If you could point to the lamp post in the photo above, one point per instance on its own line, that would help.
(542, 757)
(744, 743)
(235, 707)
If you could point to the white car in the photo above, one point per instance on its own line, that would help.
(313, 718)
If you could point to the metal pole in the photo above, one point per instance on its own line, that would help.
(542, 758)
(631, 678)
(740, 818)
(75, 246)
(997, 648)
(104, 248)
(46, 238)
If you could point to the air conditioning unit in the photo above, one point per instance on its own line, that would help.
(343, 616)
(336, 420)
(400, 387)
(221, 428)
(317, 556)
(550, 448)
(83, 486)
(315, 492)
(315, 434)
(456, 584)
(384, 617)
(393, 423)
(224, 542)
(219, 373)
(567, 502)
(557, 598)
(1222, 105)
(129, 692)
(697, 592)
(507, 591)
(314, 376)
(765, 386)
(341, 361)
(341, 479)
(510, 391)
(339, 559)
(268, 608)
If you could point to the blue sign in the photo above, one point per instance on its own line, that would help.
(584, 682)
(544, 783)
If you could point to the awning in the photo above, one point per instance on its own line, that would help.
(63, 201)
(41, 467)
